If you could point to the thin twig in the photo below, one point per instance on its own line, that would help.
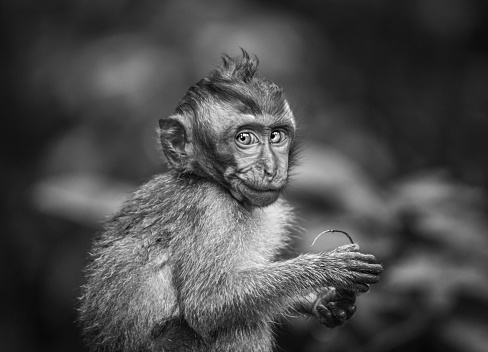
(327, 231)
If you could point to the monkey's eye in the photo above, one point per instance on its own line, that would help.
(246, 138)
(277, 137)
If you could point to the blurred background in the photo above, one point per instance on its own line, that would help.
(392, 101)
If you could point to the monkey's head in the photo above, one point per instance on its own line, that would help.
(234, 129)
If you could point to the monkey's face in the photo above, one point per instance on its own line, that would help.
(260, 147)
(249, 154)
(233, 129)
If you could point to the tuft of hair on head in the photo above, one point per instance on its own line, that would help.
(240, 68)
(228, 82)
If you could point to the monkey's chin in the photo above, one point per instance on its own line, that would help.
(255, 197)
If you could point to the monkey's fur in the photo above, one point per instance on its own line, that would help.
(188, 263)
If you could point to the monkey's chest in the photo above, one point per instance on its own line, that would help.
(259, 244)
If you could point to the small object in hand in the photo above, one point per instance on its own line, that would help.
(328, 231)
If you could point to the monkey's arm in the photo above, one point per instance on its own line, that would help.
(242, 297)
(127, 292)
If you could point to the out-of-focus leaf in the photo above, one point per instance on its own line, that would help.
(438, 276)
(466, 335)
(86, 199)
(445, 211)
(327, 173)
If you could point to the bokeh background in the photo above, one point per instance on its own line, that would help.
(392, 100)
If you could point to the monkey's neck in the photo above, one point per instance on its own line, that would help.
(215, 190)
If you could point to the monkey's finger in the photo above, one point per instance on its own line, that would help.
(334, 314)
(355, 258)
(373, 269)
(338, 313)
(324, 316)
(346, 297)
(367, 258)
(328, 295)
(368, 279)
(346, 248)
(328, 318)
(350, 310)
(361, 288)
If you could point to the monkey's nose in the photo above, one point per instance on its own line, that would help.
(269, 175)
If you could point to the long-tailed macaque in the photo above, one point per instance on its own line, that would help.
(189, 262)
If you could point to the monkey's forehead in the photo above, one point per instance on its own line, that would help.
(265, 119)
(223, 117)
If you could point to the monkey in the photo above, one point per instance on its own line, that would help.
(189, 263)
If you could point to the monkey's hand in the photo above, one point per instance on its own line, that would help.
(348, 270)
(332, 308)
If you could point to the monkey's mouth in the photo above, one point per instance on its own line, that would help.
(257, 195)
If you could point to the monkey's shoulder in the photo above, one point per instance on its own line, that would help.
(164, 200)
(169, 206)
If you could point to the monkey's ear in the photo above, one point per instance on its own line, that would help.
(173, 133)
